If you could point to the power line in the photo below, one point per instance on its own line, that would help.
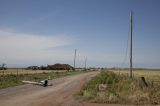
(126, 51)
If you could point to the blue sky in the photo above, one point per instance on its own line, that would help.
(47, 31)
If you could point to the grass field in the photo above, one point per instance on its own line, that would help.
(123, 90)
(25, 71)
(149, 74)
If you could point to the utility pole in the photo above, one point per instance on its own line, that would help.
(85, 63)
(130, 69)
(75, 59)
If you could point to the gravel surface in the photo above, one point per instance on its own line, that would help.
(60, 94)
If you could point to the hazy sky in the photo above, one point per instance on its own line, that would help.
(41, 32)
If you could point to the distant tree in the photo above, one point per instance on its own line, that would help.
(3, 66)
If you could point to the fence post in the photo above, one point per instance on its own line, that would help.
(144, 81)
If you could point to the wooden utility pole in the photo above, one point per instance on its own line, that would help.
(85, 63)
(75, 59)
(130, 69)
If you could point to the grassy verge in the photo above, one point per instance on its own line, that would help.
(121, 90)
(14, 80)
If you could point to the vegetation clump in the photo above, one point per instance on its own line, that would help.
(122, 90)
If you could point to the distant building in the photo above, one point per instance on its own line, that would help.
(59, 67)
(43, 68)
(33, 68)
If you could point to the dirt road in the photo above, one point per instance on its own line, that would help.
(60, 94)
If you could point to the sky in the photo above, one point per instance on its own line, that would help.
(41, 32)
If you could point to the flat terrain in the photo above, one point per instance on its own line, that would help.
(149, 74)
(60, 94)
(25, 71)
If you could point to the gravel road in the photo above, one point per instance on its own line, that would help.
(60, 94)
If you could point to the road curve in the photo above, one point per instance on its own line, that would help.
(60, 94)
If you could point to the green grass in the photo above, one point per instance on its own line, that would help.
(14, 80)
(123, 90)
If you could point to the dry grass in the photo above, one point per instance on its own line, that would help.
(149, 74)
(123, 90)
(10, 80)
(24, 71)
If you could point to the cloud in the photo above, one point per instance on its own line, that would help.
(21, 48)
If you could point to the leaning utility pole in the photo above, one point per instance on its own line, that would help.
(130, 69)
(75, 59)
